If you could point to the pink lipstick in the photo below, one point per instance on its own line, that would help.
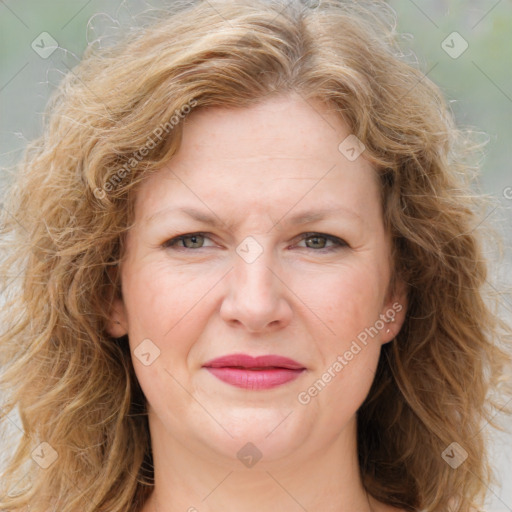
(262, 372)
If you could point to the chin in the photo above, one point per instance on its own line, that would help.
(271, 434)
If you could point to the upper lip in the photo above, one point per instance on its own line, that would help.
(250, 362)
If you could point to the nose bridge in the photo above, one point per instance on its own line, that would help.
(254, 269)
(255, 297)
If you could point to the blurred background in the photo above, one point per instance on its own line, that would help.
(465, 46)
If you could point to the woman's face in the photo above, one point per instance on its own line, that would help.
(286, 255)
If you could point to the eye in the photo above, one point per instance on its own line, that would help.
(318, 242)
(188, 241)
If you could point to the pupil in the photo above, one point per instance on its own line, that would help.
(316, 239)
(192, 238)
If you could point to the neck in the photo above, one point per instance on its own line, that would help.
(191, 481)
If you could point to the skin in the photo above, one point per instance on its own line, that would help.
(253, 169)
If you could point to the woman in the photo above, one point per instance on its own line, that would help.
(250, 276)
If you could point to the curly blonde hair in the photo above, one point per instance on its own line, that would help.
(71, 203)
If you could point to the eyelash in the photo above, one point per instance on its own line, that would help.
(338, 242)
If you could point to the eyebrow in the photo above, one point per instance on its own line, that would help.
(319, 214)
(304, 217)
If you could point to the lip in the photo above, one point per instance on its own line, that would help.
(261, 372)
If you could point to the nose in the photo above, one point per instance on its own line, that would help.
(257, 298)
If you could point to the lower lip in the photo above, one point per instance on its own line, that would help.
(255, 379)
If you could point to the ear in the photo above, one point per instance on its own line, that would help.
(117, 324)
(394, 310)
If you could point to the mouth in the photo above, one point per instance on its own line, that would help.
(254, 373)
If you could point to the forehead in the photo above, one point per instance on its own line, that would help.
(282, 154)
(276, 127)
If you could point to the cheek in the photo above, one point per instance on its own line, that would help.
(347, 300)
(163, 305)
